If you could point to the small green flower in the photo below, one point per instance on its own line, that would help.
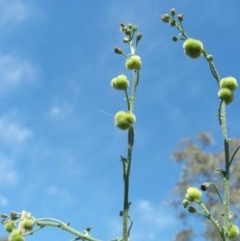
(134, 62)
(124, 120)
(229, 82)
(233, 232)
(120, 82)
(226, 95)
(9, 226)
(193, 48)
(15, 236)
(193, 194)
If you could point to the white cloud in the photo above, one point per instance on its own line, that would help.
(3, 201)
(158, 221)
(14, 71)
(8, 175)
(62, 195)
(12, 133)
(13, 11)
(150, 222)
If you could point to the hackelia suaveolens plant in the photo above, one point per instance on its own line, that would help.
(20, 224)
(194, 49)
(125, 119)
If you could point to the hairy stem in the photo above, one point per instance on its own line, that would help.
(64, 226)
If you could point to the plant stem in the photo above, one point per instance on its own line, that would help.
(58, 224)
(127, 161)
(223, 124)
(208, 215)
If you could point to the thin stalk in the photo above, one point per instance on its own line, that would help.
(58, 224)
(126, 202)
(223, 124)
(208, 215)
(127, 163)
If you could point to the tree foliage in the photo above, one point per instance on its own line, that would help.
(200, 163)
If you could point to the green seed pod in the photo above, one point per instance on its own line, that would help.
(27, 223)
(9, 226)
(193, 48)
(134, 62)
(15, 236)
(124, 120)
(193, 194)
(229, 82)
(120, 82)
(233, 232)
(226, 95)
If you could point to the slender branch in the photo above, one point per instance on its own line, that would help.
(209, 216)
(45, 222)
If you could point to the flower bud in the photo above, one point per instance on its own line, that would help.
(175, 38)
(233, 232)
(229, 82)
(127, 31)
(172, 11)
(192, 210)
(125, 39)
(180, 17)
(134, 62)
(226, 95)
(124, 120)
(120, 82)
(122, 26)
(15, 236)
(193, 194)
(205, 186)
(173, 22)
(193, 48)
(134, 28)
(9, 226)
(185, 202)
(139, 36)
(165, 18)
(209, 58)
(118, 51)
(130, 26)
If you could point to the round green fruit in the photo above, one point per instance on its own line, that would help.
(120, 82)
(229, 82)
(226, 95)
(9, 226)
(27, 223)
(134, 62)
(193, 48)
(233, 232)
(193, 194)
(124, 120)
(15, 236)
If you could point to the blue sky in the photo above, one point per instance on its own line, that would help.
(60, 150)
